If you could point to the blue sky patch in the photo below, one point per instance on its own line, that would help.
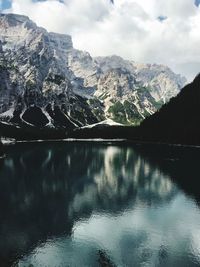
(197, 2)
(5, 4)
(162, 18)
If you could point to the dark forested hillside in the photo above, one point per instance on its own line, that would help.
(176, 122)
(179, 120)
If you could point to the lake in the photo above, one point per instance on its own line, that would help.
(99, 204)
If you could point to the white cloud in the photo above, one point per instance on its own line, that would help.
(129, 28)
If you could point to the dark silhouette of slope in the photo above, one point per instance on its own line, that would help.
(178, 121)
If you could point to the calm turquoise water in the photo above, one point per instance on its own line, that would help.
(82, 204)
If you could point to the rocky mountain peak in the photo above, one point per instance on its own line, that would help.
(41, 69)
(113, 62)
(63, 42)
(12, 20)
(19, 31)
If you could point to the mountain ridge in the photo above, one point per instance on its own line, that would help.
(43, 71)
(177, 122)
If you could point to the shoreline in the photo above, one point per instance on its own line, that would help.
(101, 140)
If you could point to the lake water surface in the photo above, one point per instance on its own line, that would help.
(94, 204)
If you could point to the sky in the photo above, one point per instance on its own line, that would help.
(146, 31)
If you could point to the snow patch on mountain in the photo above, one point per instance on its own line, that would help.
(70, 88)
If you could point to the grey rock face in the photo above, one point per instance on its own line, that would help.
(34, 73)
(41, 73)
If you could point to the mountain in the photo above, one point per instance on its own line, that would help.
(178, 121)
(129, 91)
(35, 79)
(46, 82)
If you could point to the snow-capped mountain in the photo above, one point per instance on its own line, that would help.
(44, 81)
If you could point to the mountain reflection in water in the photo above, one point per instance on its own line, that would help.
(64, 204)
